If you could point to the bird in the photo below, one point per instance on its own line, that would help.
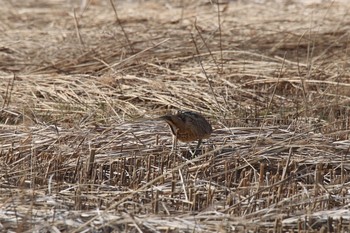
(188, 126)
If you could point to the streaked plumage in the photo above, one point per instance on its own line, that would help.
(188, 126)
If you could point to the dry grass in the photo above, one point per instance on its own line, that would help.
(79, 150)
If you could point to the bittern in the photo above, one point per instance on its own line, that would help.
(188, 126)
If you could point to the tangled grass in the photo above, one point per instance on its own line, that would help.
(83, 81)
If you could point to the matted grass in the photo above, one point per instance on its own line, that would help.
(81, 85)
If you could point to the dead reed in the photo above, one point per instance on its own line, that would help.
(81, 84)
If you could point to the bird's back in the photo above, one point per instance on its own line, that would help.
(188, 126)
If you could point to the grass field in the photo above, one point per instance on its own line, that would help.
(82, 81)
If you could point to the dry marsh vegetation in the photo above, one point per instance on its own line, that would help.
(81, 82)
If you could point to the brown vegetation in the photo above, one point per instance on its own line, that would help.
(80, 79)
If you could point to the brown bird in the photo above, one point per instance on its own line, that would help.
(188, 126)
